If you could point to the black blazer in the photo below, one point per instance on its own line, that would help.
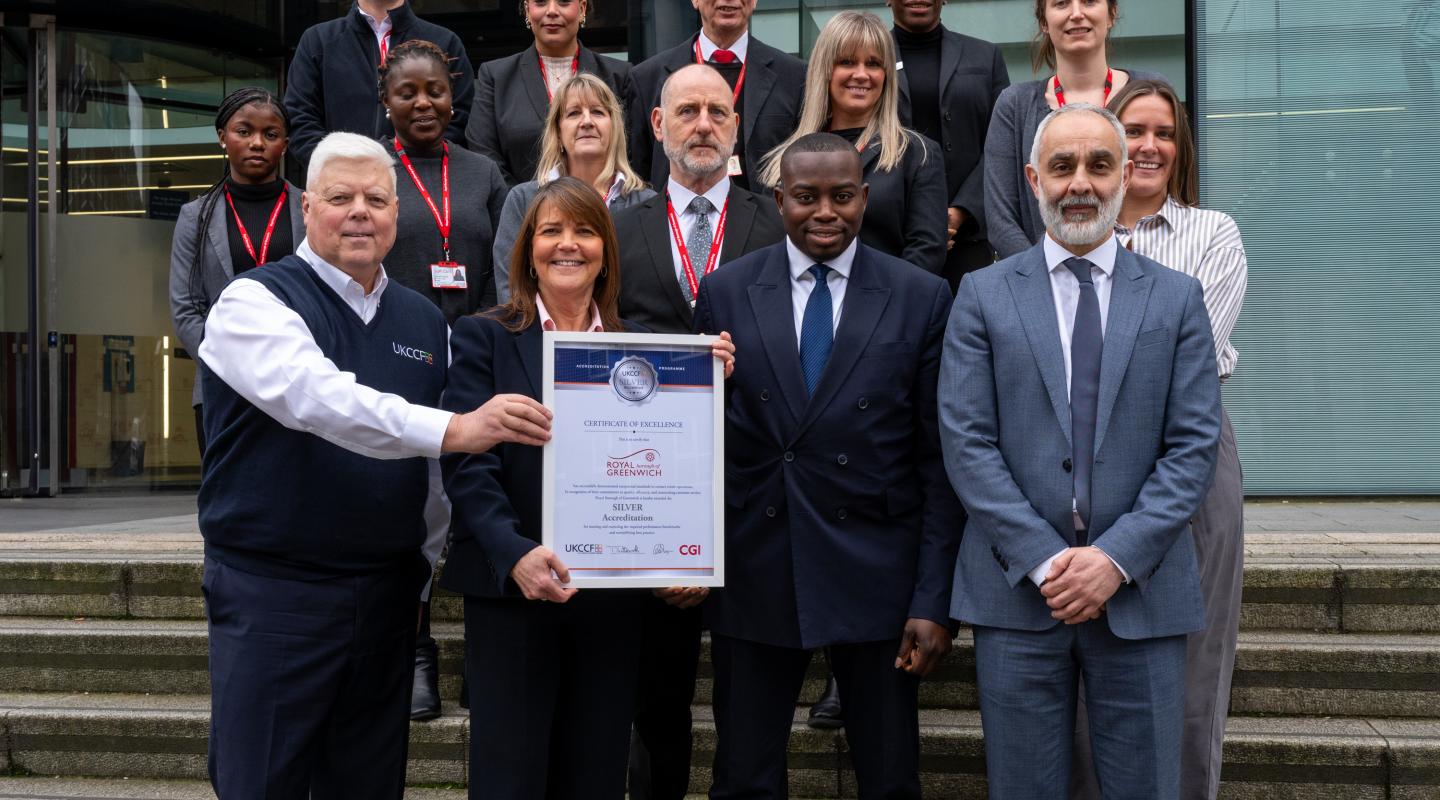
(650, 291)
(773, 91)
(840, 523)
(905, 214)
(333, 83)
(508, 120)
(972, 75)
(494, 496)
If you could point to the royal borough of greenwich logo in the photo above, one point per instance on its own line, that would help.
(633, 379)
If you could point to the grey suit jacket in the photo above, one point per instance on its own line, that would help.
(1005, 427)
(190, 289)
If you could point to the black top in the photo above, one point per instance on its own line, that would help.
(920, 53)
(255, 203)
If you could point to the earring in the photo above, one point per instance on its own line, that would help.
(527, 23)
(582, 22)
(604, 271)
(533, 276)
(387, 113)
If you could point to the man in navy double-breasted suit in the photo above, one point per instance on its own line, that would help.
(841, 530)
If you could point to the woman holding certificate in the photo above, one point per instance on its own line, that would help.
(551, 671)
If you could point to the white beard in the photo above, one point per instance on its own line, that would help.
(1080, 233)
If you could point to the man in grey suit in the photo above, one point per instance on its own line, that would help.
(1079, 412)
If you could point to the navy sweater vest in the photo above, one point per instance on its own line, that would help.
(280, 502)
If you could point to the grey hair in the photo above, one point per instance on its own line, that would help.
(1071, 108)
(348, 147)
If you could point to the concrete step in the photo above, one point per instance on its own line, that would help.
(1277, 672)
(56, 788)
(1302, 595)
(164, 736)
(150, 737)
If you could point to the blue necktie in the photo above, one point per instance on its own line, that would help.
(1086, 342)
(817, 329)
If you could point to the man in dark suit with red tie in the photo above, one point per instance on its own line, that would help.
(841, 529)
(699, 221)
(767, 85)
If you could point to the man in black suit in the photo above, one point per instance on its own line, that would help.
(717, 222)
(841, 528)
(767, 86)
(333, 80)
(948, 86)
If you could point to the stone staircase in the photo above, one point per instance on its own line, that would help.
(103, 690)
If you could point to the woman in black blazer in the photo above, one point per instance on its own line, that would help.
(251, 216)
(551, 671)
(851, 91)
(512, 94)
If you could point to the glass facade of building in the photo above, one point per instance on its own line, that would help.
(1311, 131)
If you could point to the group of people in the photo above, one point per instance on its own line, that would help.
(914, 437)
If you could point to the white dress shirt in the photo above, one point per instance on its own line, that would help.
(680, 198)
(381, 29)
(1065, 288)
(802, 283)
(1206, 245)
(740, 48)
(299, 387)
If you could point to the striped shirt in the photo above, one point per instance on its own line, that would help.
(1206, 245)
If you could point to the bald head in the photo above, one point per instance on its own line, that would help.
(696, 124)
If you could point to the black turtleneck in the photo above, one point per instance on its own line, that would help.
(254, 203)
(920, 53)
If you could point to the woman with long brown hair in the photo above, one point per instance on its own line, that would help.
(1073, 40)
(551, 671)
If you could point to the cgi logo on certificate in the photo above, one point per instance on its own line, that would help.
(634, 380)
(639, 464)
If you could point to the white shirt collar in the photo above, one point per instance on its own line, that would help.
(380, 27)
(800, 263)
(680, 197)
(334, 277)
(740, 48)
(615, 182)
(1102, 256)
(1171, 213)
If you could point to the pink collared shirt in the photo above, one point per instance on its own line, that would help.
(546, 323)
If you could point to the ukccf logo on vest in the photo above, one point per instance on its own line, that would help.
(412, 352)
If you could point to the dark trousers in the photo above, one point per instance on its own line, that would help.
(756, 686)
(200, 428)
(310, 683)
(660, 752)
(552, 694)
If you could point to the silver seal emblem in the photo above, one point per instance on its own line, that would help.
(634, 379)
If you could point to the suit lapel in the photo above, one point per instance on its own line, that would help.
(775, 317)
(865, 301)
(655, 226)
(949, 60)
(1129, 294)
(903, 83)
(759, 80)
(297, 216)
(529, 344)
(872, 152)
(588, 63)
(739, 218)
(1030, 286)
(533, 83)
(219, 236)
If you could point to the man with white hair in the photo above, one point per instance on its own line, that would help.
(1079, 415)
(320, 504)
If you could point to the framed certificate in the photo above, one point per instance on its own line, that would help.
(634, 486)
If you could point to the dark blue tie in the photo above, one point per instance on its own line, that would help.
(817, 329)
(1086, 342)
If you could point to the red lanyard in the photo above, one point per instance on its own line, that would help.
(1060, 92)
(739, 82)
(685, 262)
(269, 227)
(443, 222)
(574, 70)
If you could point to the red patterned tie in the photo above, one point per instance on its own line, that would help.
(723, 57)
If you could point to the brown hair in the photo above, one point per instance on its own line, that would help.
(1042, 50)
(574, 199)
(617, 158)
(1185, 172)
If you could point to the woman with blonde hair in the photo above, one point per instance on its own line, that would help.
(584, 138)
(851, 91)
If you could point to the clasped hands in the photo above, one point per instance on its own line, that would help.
(1081, 580)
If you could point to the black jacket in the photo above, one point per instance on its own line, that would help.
(507, 122)
(333, 83)
(972, 75)
(905, 213)
(649, 286)
(774, 88)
